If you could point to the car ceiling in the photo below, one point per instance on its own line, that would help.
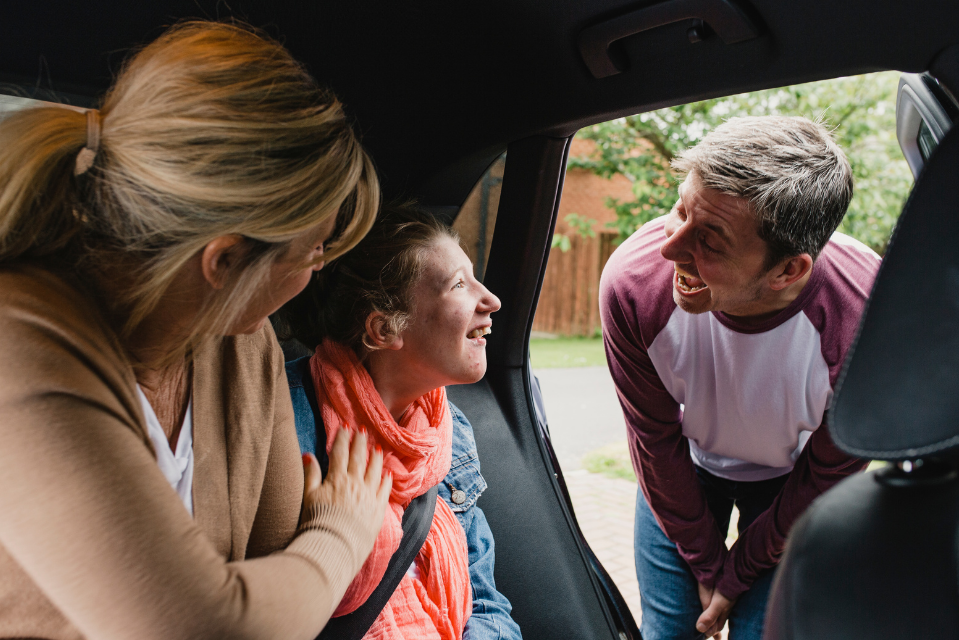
(439, 89)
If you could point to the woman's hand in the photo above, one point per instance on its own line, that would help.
(353, 482)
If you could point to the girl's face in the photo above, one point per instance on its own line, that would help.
(444, 343)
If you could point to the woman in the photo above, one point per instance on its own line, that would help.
(150, 480)
(395, 321)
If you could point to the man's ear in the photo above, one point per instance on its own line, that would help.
(790, 271)
(219, 256)
(379, 334)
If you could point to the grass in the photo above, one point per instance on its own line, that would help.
(548, 353)
(611, 461)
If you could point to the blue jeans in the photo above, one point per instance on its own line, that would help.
(668, 590)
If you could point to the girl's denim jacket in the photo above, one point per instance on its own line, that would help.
(490, 619)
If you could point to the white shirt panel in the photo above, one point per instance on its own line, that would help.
(756, 398)
(177, 467)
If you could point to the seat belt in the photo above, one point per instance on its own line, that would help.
(417, 520)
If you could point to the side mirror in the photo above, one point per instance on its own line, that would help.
(924, 114)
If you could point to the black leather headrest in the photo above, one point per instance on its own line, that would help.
(898, 397)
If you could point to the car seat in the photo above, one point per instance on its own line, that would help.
(876, 557)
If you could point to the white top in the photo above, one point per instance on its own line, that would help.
(177, 467)
(752, 399)
(414, 572)
(759, 396)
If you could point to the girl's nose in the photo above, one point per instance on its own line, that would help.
(489, 303)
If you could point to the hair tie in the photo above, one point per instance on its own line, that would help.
(88, 153)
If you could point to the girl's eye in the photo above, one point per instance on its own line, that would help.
(459, 284)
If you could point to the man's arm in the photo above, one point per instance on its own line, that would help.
(820, 466)
(659, 451)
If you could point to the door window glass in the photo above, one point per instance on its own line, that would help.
(619, 177)
(477, 217)
(927, 142)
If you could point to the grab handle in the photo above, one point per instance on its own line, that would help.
(724, 17)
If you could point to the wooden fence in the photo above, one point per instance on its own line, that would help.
(569, 301)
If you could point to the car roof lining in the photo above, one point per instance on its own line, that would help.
(438, 90)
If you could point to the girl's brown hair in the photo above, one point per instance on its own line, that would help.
(212, 129)
(378, 275)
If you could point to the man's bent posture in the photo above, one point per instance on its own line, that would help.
(726, 323)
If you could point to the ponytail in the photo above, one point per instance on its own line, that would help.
(39, 196)
(212, 129)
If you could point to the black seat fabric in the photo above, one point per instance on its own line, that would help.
(898, 398)
(872, 560)
(876, 557)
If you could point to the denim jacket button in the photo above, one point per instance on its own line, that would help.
(459, 497)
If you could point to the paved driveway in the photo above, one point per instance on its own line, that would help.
(582, 410)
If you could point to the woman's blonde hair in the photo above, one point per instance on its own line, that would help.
(212, 129)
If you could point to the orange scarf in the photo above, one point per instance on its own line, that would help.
(418, 453)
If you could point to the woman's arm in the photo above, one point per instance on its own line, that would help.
(96, 528)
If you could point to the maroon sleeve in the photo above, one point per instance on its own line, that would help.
(635, 304)
(820, 466)
(835, 311)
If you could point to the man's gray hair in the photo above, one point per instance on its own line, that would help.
(794, 175)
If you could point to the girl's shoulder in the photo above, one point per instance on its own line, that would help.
(464, 483)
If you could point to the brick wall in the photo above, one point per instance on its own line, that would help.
(568, 304)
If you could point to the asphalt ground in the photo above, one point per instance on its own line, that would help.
(582, 411)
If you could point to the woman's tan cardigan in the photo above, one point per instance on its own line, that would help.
(95, 543)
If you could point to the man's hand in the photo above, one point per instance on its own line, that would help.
(716, 608)
(705, 595)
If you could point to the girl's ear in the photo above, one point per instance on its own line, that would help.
(219, 256)
(379, 334)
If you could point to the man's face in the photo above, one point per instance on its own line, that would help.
(719, 259)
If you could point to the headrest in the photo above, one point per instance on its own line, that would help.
(898, 397)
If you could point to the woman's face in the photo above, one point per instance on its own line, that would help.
(288, 277)
(444, 343)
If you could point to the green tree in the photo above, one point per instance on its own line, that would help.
(580, 225)
(860, 110)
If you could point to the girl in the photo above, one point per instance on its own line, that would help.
(402, 317)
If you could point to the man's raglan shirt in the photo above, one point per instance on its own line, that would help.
(744, 402)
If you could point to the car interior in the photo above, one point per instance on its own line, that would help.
(439, 91)
(875, 557)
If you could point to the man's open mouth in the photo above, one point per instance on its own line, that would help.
(689, 284)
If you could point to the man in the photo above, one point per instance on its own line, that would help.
(726, 323)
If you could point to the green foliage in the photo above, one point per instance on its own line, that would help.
(860, 109)
(580, 225)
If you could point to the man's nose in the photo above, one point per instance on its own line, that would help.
(677, 245)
